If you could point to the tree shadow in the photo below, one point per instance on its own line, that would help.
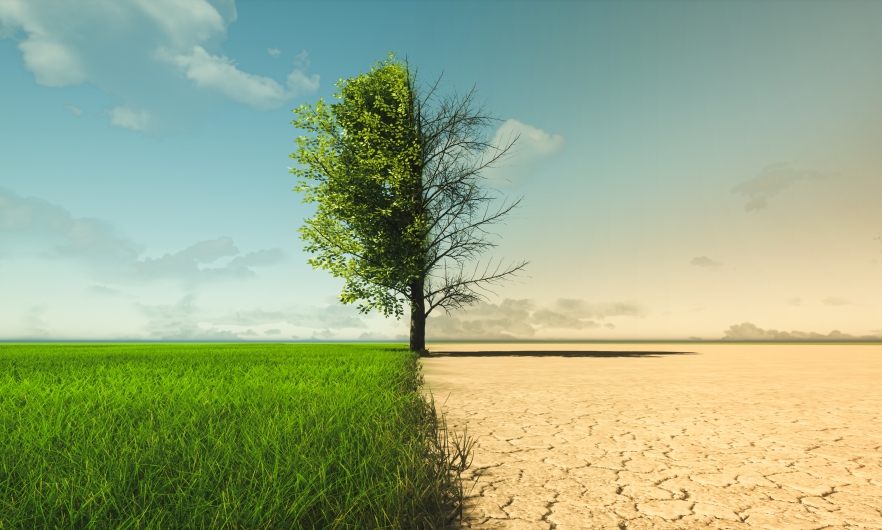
(559, 353)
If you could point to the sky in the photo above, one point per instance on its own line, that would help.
(688, 170)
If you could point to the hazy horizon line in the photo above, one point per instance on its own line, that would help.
(479, 341)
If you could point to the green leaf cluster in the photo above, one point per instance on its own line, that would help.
(362, 164)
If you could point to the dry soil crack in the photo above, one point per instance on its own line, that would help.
(733, 437)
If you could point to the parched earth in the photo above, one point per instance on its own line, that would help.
(726, 436)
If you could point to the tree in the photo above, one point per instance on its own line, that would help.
(397, 182)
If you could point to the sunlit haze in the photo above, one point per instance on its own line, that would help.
(688, 169)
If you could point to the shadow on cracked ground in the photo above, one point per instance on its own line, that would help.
(556, 353)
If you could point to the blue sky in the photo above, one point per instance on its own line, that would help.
(688, 169)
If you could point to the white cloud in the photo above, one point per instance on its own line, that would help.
(519, 164)
(76, 111)
(299, 84)
(186, 263)
(272, 332)
(184, 22)
(221, 74)
(531, 141)
(36, 226)
(796, 302)
(53, 229)
(260, 258)
(706, 263)
(274, 52)
(52, 63)
(301, 60)
(773, 179)
(210, 251)
(162, 57)
(126, 118)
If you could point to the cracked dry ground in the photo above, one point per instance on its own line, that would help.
(732, 436)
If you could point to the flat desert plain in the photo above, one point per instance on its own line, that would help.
(693, 435)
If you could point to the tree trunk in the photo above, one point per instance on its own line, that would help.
(417, 318)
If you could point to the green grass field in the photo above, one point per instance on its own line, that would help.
(258, 436)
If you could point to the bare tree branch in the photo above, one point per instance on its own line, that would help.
(454, 153)
(457, 292)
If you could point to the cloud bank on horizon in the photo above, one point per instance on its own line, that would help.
(31, 227)
(747, 331)
(525, 319)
